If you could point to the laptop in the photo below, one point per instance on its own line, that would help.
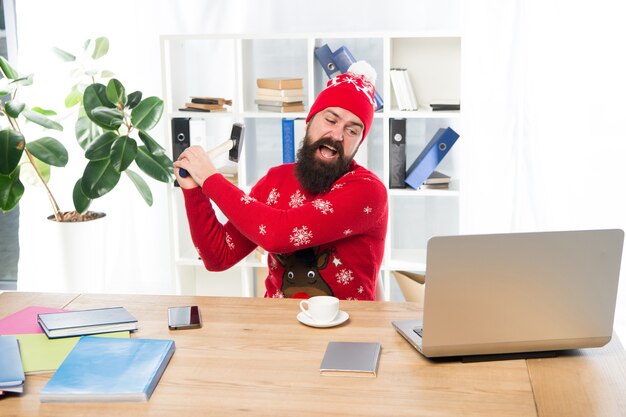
(517, 292)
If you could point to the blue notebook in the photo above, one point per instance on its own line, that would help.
(11, 372)
(109, 370)
(430, 157)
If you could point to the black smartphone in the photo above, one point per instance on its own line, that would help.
(187, 317)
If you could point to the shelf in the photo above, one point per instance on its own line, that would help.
(271, 115)
(423, 114)
(409, 192)
(200, 114)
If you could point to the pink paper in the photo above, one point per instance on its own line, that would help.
(25, 321)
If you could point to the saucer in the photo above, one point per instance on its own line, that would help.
(342, 316)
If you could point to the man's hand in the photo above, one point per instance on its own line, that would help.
(197, 163)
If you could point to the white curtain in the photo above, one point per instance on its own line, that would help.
(543, 104)
(543, 108)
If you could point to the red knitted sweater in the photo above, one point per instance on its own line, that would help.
(325, 244)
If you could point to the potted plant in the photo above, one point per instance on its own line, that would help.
(112, 128)
(108, 125)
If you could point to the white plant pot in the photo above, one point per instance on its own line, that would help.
(65, 257)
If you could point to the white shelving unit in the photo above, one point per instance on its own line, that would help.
(228, 66)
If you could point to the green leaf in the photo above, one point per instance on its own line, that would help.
(100, 148)
(152, 145)
(106, 74)
(110, 119)
(81, 201)
(45, 112)
(49, 150)
(133, 99)
(116, 92)
(13, 108)
(99, 178)
(64, 55)
(42, 120)
(147, 113)
(141, 186)
(159, 167)
(86, 131)
(7, 69)
(93, 97)
(73, 98)
(102, 47)
(12, 145)
(123, 153)
(11, 190)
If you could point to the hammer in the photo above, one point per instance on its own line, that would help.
(232, 145)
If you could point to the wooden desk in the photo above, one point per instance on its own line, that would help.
(252, 357)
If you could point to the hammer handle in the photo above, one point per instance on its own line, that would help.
(218, 150)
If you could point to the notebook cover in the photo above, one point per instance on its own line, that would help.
(102, 369)
(351, 358)
(11, 373)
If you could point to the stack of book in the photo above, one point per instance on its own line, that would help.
(403, 89)
(104, 367)
(282, 95)
(207, 104)
(436, 181)
(445, 105)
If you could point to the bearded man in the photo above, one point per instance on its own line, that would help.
(322, 220)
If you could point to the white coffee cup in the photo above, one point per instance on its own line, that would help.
(321, 309)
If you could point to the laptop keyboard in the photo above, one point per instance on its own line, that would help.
(419, 331)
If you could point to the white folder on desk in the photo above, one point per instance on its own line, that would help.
(517, 292)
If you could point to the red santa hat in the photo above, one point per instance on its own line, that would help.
(353, 91)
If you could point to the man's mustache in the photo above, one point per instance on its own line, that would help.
(337, 145)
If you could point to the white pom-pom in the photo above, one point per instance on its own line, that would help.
(364, 69)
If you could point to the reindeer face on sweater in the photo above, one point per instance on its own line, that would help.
(302, 278)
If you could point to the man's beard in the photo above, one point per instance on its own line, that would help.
(317, 176)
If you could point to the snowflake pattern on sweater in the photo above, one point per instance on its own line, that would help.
(329, 243)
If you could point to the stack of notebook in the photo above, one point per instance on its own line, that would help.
(111, 365)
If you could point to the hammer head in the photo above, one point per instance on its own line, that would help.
(236, 135)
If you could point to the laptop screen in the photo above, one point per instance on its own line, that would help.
(520, 291)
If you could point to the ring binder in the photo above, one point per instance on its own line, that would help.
(397, 153)
(338, 62)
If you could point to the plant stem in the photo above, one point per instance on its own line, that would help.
(55, 206)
